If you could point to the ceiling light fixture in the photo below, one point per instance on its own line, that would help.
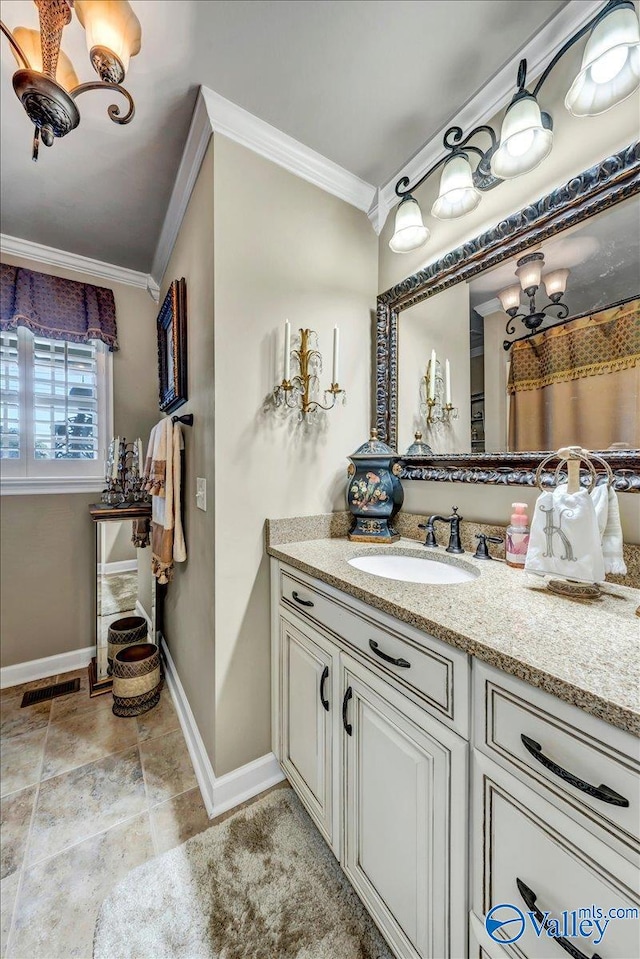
(529, 272)
(46, 83)
(610, 73)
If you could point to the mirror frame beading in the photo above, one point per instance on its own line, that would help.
(601, 186)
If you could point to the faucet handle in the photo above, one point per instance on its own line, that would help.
(430, 539)
(455, 513)
(482, 550)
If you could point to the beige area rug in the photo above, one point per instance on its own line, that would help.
(117, 593)
(262, 885)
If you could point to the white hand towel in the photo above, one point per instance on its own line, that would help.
(605, 501)
(167, 537)
(565, 539)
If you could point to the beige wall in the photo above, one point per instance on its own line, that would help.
(283, 248)
(47, 541)
(116, 542)
(578, 144)
(441, 324)
(189, 601)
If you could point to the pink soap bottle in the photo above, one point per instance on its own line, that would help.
(517, 536)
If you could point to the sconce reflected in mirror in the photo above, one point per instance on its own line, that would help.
(435, 394)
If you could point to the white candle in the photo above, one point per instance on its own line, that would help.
(432, 376)
(116, 458)
(336, 354)
(287, 350)
(140, 460)
(447, 383)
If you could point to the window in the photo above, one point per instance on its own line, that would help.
(55, 412)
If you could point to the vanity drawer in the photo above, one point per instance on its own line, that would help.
(531, 849)
(417, 662)
(582, 760)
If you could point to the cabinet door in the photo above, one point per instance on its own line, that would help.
(308, 664)
(529, 858)
(405, 817)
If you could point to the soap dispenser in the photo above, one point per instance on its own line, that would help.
(517, 539)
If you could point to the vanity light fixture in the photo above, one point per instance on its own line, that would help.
(610, 73)
(529, 272)
(46, 83)
(298, 392)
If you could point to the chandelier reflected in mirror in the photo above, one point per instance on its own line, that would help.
(46, 83)
(529, 272)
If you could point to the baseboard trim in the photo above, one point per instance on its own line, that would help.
(120, 566)
(47, 666)
(221, 793)
(141, 611)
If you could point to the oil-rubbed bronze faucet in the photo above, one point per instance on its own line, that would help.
(455, 546)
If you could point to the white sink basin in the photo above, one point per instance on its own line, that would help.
(413, 569)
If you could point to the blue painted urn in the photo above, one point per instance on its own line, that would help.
(374, 491)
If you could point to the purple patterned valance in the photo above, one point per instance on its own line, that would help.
(56, 308)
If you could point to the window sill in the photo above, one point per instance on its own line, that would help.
(21, 486)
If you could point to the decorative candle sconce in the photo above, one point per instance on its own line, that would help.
(123, 474)
(297, 392)
(433, 390)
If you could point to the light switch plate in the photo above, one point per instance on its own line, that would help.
(201, 493)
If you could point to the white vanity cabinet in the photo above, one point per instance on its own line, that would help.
(446, 787)
(385, 781)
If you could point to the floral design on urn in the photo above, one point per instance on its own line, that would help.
(374, 491)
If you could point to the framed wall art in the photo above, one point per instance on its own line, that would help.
(172, 347)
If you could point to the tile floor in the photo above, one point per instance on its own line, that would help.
(86, 797)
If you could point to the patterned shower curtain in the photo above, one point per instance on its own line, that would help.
(578, 383)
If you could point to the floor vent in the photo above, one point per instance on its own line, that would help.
(45, 693)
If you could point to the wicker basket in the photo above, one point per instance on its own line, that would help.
(137, 679)
(125, 632)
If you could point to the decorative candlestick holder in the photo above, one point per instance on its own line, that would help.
(436, 412)
(124, 479)
(298, 392)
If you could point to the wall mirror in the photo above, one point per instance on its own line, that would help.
(521, 341)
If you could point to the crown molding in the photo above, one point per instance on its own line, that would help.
(14, 246)
(215, 114)
(488, 307)
(490, 99)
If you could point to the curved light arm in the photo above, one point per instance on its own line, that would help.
(113, 110)
(16, 46)
(454, 142)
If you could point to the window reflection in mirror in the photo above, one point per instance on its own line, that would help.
(573, 379)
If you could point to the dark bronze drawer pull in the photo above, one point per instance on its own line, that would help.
(601, 792)
(530, 898)
(388, 659)
(323, 679)
(303, 602)
(345, 704)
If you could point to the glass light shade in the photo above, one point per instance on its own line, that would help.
(111, 24)
(457, 193)
(555, 282)
(410, 232)
(524, 142)
(510, 298)
(529, 274)
(29, 40)
(610, 70)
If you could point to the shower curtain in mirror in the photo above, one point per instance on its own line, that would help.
(578, 383)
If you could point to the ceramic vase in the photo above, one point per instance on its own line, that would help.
(374, 491)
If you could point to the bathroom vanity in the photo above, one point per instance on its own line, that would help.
(461, 745)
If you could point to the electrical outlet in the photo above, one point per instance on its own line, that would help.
(201, 493)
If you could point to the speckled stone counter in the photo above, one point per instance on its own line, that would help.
(586, 654)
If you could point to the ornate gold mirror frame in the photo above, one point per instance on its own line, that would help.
(594, 190)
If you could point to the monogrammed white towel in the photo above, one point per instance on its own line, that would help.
(565, 538)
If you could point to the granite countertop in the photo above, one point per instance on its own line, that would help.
(584, 653)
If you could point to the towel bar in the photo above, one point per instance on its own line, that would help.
(187, 419)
